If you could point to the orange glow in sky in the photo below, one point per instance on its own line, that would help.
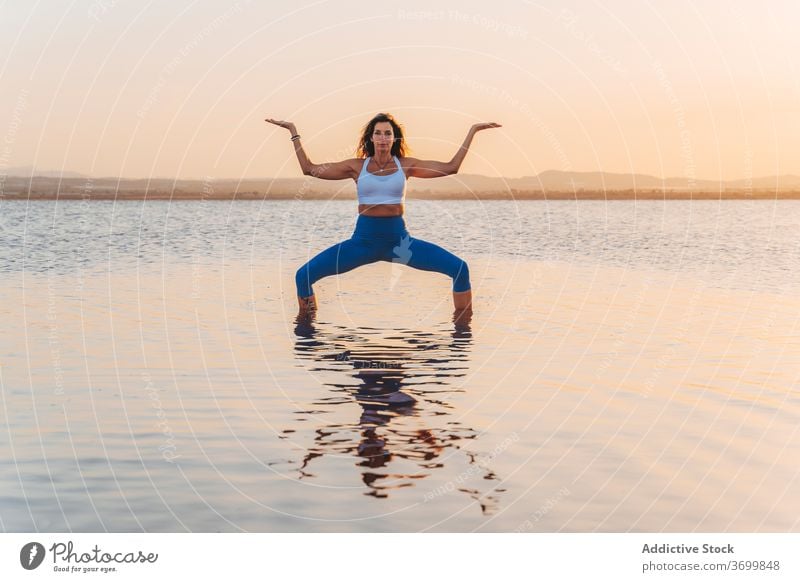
(180, 89)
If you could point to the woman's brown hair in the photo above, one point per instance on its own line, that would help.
(365, 146)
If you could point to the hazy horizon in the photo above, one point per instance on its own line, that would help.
(181, 90)
(67, 173)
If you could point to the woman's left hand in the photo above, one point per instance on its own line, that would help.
(489, 125)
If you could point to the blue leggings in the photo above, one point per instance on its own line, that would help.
(381, 239)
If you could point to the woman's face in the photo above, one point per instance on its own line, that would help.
(383, 136)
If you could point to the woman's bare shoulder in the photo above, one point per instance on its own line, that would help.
(356, 164)
(407, 162)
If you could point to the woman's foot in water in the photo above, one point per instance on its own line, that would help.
(462, 319)
(307, 305)
(462, 314)
(462, 300)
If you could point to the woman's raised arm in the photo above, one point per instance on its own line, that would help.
(433, 169)
(327, 171)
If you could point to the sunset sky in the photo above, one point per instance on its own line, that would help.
(707, 89)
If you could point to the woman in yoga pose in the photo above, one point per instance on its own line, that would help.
(380, 233)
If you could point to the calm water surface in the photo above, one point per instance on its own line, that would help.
(629, 367)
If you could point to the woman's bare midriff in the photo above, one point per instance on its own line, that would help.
(380, 209)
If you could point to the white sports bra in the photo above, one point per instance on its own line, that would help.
(389, 189)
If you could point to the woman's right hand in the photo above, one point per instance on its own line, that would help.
(285, 124)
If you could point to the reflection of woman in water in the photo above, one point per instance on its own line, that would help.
(403, 375)
(380, 233)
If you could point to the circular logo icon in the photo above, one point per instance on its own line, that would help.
(31, 555)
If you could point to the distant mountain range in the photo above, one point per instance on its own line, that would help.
(556, 180)
(29, 171)
(551, 184)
